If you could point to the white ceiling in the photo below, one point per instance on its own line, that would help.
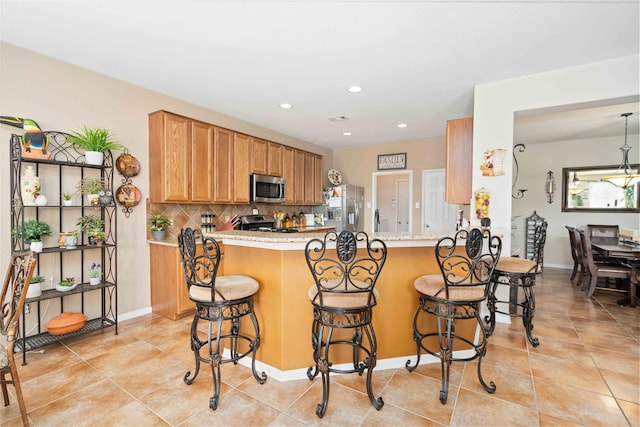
(417, 61)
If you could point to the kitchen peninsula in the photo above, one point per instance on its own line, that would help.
(277, 262)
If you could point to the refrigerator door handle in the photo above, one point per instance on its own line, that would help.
(356, 211)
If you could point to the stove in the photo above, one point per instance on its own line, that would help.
(263, 223)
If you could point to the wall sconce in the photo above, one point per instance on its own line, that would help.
(519, 194)
(550, 186)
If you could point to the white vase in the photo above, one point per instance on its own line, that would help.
(29, 186)
(70, 242)
(94, 280)
(34, 290)
(94, 157)
(67, 202)
(36, 246)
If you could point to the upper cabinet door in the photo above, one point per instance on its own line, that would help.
(299, 177)
(459, 161)
(288, 173)
(260, 156)
(223, 165)
(169, 157)
(201, 162)
(309, 178)
(242, 160)
(275, 159)
(318, 173)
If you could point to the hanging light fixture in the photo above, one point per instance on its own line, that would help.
(550, 186)
(576, 185)
(628, 178)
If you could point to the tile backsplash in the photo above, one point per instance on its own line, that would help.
(187, 215)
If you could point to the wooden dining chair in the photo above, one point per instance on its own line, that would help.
(576, 253)
(594, 269)
(14, 293)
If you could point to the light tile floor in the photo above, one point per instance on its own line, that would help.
(586, 371)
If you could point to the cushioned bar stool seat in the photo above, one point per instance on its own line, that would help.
(518, 274)
(343, 297)
(220, 300)
(455, 294)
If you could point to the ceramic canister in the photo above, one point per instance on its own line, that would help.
(29, 186)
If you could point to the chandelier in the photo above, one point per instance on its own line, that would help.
(628, 178)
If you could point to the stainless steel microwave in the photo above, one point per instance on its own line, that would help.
(267, 189)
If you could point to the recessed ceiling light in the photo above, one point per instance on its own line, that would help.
(338, 119)
(402, 125)
(346, 133)
(286, 106)
(355, 89)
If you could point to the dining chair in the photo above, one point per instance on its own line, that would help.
(576, 254)
(518, 274)
(343, 296)
(606, 234)
(466, 262)
(14, 293)
(596, 270)
(222, 302)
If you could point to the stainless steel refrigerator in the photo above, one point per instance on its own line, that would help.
(343, 207)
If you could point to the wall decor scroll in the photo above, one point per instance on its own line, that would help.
(127, 195)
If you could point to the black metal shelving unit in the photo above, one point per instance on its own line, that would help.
(65, 161)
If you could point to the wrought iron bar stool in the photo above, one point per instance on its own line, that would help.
(14, 292)
(220, 300)
(456, 294)
(343, 297)
(518, 273)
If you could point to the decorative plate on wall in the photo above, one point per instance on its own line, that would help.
(127, 165)
(128, 195)
(335, 177)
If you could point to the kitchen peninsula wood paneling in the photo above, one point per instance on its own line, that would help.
(197, 162)
(169, 297)
(459, 161)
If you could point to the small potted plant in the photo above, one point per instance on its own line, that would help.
(67, 198)
(95, 273)
(159, 224)
(91, 186)
(93, 227)
(35, 286)
(71, 239)
(33, 231)
(95, 142)
(66, 284)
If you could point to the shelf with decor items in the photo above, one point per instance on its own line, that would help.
(57, 173)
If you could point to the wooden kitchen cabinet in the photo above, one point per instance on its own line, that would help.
(260, 160)
(169, 297)
(202, 135)
(288, 173)
(299, 177)
(223, 160)
(318, 172)
(459, 161)
(275, 159)
(241, 162)
(309, 178)
(169, 157)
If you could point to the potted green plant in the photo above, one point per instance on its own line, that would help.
(66, 284)
(158, 224)
(95, 273)
(91, 186)
(95, 141)
(35, 286)
(33, 231)
(71, 239)
(93, 227)
(67, 198)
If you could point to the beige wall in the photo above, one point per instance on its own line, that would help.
(63, 97)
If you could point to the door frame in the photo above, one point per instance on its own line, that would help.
(408, 175)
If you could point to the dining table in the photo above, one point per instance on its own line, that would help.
(628, 253)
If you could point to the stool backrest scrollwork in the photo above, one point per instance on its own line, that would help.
(539, 240)
(471, 265)
(200, 260)
(348, 270)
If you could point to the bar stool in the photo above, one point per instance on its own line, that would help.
(518, 273)
(343, 297)
(219, 300)
(456, 294)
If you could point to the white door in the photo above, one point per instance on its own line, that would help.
(402, 192)
(437, 215)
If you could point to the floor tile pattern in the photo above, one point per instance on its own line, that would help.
(585, 372)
